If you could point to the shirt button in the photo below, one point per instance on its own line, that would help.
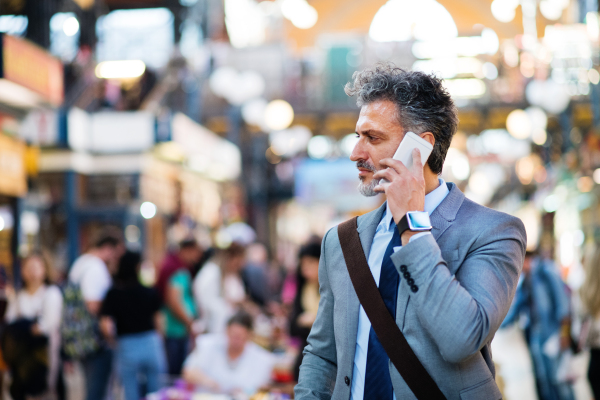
(403, 268)
(410, 282)
(347, 380)
(414, 288)
(406, 275)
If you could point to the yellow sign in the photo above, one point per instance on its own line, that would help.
(84, 4)
(13, 178)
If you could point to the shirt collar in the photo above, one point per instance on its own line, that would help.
(432, 200)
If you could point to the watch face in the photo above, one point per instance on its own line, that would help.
(418, 221)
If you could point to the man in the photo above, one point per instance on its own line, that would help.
(543, 302)
(230, 363)
(92, 273)
(449, 288)
(175, 285)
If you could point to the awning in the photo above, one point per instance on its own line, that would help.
(29, 75)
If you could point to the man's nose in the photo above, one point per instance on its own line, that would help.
(358, 152)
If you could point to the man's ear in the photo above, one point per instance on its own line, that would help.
(429, 137)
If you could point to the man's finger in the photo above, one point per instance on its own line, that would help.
(396, 165)
(386, 173)
(417, 167)
(381, 186)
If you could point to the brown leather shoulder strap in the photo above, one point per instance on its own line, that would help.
(393, 341)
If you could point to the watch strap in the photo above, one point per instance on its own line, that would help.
(403, 225)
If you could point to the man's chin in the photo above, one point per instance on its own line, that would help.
(368, 189)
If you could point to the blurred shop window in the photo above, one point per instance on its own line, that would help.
(109, 190)
(246, 23)
(146, 35)
(64, 35)
(15, 25)
(341, 62)
(191, 39)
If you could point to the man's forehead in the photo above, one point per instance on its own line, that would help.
(385, 106)
(378, 115)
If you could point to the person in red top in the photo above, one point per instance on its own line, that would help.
(178, 316)
(188, 254)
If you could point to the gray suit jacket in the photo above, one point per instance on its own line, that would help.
(466, 273)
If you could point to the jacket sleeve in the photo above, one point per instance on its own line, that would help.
(517, 305)
(463, 312)
(319, 366)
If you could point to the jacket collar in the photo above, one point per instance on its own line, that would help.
(367, 225)
(441, 218)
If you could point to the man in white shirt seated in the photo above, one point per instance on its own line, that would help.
(229, 363)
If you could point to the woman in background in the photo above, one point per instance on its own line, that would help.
(40, 303)
(590, 297)
(307, 298)
(219, 289)
(130, 312)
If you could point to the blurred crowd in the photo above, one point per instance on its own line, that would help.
(226, 321)
(558, 325)
(230, 321)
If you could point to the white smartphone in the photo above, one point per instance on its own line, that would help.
(407, 145)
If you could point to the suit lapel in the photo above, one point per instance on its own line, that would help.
(367, 225)
(445, 213)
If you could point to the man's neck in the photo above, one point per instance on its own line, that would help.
(97, 253)
(233, 355)
(431, 181)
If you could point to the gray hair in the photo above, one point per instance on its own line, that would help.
(422, 103)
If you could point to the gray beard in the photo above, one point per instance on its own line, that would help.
(368, 190)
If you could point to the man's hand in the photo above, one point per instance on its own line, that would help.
(405, 189)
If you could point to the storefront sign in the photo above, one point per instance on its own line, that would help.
(32, 67)
(200, 199)
(207, 153)
(110, 132)
(13, 179)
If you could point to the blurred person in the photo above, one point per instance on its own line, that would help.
(306, 303)
(206, 255)
(444, 283)
(254, 274)
(130, 312)
(39, 302)
(229, 362)
(179, 310)
(542, 306)
(590, 297)
(91, 273)
(218, 288)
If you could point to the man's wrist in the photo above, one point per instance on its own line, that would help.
(413, 223)
(406, 235)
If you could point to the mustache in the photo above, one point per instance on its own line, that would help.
(365, 165)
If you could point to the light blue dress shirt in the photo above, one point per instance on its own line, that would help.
(382, 238)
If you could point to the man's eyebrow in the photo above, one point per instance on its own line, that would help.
(371, 131)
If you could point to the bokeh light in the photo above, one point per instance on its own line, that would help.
(148, 210)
